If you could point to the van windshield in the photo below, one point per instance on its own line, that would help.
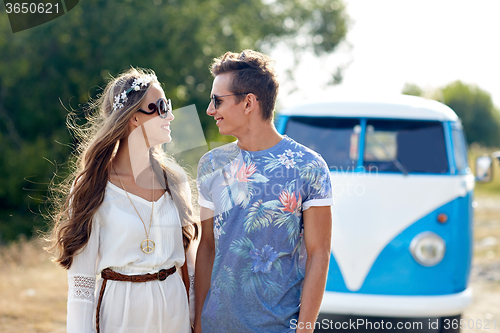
(403, 146)
(336, 139)
(418, 146)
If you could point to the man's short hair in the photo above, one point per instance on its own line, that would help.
(253, 72)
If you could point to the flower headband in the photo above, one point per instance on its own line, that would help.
(136, 86)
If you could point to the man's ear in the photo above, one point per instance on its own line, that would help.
(251, 103)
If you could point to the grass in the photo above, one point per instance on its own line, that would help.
(33, 290)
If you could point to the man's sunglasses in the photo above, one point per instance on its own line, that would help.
(215, 98)
(162, 106)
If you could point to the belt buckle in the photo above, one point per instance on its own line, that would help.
(158, 274)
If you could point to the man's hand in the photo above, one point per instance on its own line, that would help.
(204, 262)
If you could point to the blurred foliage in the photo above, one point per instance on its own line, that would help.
(480, 118)
(475, 108)
(50, 69)
(412, 89)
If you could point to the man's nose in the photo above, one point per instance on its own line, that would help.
(210, 109)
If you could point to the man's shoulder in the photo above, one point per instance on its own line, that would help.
(226, 148)
(219, 156)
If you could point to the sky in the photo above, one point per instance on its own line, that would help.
(430, 43)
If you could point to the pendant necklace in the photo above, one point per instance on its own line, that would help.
(147, 245)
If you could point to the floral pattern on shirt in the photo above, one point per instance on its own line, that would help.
(258, 199)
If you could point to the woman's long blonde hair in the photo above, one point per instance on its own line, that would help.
(77, 198)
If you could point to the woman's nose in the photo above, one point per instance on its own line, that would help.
(170, 115)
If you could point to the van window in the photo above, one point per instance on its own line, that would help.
(405, 146)
(460, 150)
(380, 145)
(336, 139)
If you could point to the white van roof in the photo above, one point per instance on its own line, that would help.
(398, 107)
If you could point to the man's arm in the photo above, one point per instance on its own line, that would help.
(317, 238)
(204, 262)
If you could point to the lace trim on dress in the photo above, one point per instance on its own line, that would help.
(191, 284)
(82, 288)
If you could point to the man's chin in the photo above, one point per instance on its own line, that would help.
(222, 132)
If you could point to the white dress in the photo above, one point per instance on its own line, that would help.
(117, 233)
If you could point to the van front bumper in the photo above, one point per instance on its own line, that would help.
(395, 306)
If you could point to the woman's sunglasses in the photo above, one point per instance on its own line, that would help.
(162, 106)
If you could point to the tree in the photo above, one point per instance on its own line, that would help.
(474, 106)
(67, 60)
(412, 90)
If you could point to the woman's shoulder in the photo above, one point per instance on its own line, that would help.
(112, 192)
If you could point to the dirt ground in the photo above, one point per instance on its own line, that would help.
(33, 289)
(485, 275)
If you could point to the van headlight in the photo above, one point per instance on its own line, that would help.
(428, 248)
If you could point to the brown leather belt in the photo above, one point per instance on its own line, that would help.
(108, 274)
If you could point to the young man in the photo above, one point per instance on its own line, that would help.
(265, 200)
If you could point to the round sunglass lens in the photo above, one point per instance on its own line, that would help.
(163, 108)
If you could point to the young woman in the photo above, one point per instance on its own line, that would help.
(126, 214)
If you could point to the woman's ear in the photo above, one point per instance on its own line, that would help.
(134, 121)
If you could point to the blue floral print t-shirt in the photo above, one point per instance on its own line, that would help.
(259, 265)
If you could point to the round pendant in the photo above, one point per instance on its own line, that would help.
(147, 245)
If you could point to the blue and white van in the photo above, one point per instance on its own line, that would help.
(402, 221)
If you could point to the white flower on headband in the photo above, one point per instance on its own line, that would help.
(136, 86)
(124, 97)
(117, 106)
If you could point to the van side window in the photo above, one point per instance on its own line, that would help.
(336, 139)
(405, 146)
(460, 150)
